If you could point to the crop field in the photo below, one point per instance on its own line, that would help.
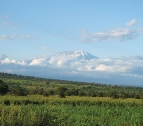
(38, 110)
(30, 101)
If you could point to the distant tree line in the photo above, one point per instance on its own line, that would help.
(63, 88)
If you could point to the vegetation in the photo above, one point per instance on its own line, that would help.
(24, 85)
(3, 88)
(30, 101)
(73, 110)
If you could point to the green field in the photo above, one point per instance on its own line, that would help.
(30, 101)
(38, 110)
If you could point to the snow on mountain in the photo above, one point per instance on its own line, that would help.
(79, 55)
(70, 58)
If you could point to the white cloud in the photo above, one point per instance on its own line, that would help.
(5, 61)
(44, 48)
(60, 62)
(130, 23)
(7, 37)
(22, 63)
(11, 37)
(114, 68)
(27, 37)
(121, 34)
(37, 62)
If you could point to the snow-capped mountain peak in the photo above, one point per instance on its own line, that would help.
(84, 55)
(79, 54)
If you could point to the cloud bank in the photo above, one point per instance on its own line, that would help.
(123, 70)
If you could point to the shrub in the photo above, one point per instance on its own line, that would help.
(45, 94)
(137, 96)
(19, 91)
(3, 88)
(61, 92)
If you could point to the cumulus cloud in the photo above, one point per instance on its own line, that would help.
(130, 23)
(106, 70)
(7, 61)
(120, 34)
(37, 62)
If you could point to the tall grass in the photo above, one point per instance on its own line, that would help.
(69, 111)
(31, 115)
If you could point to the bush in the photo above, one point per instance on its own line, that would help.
(124, 95)
(51, 92)
(61, 92)
(81, 93)
(137, 96)
(7, 102)
(3, 88)
(19, 91)
(45, 94)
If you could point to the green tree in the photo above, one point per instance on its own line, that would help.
(81, 93)
(67, 93)
(100, 94)
(113, 94)
(61, 92)
(93, 94)
(124, 95)
(3, 88)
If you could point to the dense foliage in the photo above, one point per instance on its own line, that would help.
(3, 88)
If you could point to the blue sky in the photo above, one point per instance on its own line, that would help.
(104, 28)
(32, 28)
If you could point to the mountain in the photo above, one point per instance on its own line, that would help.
(66, 58)
(62, 58)
(78, 55)
(69, 58)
